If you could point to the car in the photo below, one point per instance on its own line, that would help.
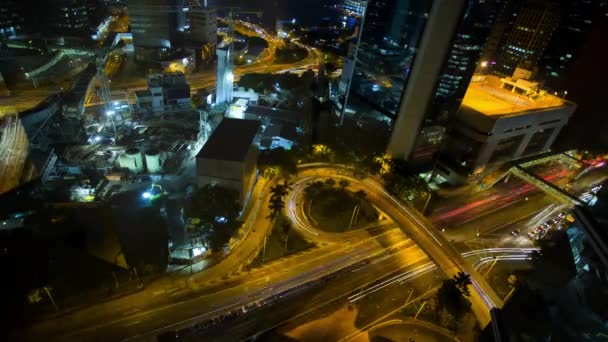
(515, 232)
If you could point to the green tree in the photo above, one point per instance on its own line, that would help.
(360, 195)
(277, 203)
(213, 201)
(343, 183)
(330, 182)
(313, 190)
(462, 282)
(451, 299)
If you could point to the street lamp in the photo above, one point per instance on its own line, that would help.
(484, 64)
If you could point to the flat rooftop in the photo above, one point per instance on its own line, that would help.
(486, 95)
(230, 140)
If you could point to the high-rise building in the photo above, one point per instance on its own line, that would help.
(525, 41)
(477, 23)
(411, 58)
(11, 19)
(577, 17)
(73, 17)
(203, 29)
(356, 7)
(150, 24)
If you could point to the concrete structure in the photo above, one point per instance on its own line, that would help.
(153, 161)
(525, 41)
(131, 160)
(501, 119)
(229, 157)
(168, 91)
(225, 76)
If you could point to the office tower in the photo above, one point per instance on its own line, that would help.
(203, 29)
(72, 17)
(577, 17)
(155, 25)
(526, 40)
(462, 59)
(410, 58)
(150, 27)
(355, 7)
(11, 19)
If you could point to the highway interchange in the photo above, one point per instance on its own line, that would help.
(174, 303)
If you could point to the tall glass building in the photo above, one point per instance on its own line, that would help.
(409, 66)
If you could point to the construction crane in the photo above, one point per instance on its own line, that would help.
(106, 97)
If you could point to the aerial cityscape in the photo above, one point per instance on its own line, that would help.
(312, 170)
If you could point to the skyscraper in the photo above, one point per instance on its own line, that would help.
(526, 40)
(577, 17)
(411, 59)
(473, 32)
(155, 25)
(11, 19)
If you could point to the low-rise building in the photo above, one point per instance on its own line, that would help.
(501, 119)
(229, 158)
(165, 92)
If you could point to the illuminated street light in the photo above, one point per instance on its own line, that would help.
(484, 64)
(146, 195)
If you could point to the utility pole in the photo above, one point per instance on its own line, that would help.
(48, 293)
(419, 310)
(352, 217)
(491, 266)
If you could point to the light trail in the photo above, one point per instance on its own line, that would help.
(428, 267)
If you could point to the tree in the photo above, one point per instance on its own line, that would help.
(450, 298)
(343, 183)
(330, 182)
(213, 201)
(462, 282)
(313, 190)
(279, 158)
(277, 204)
(360, 195)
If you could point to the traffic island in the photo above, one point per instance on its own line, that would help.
(331, 207)
(281, 242)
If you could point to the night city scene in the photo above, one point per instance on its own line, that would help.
(304, 170)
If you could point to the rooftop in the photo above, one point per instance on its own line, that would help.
(493, 96)
(230, 140)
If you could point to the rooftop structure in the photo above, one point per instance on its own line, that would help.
(501, 119)
(494, 96)
(230, 140)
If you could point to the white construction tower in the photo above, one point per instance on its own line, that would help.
(225, 75)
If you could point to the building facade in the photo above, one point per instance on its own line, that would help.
(229, 157)
(501, 119)
(354, 7)
(477, 23)
(525, 41)
(168, 91)
(577, 18)
(11, 19)
(203, 30)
